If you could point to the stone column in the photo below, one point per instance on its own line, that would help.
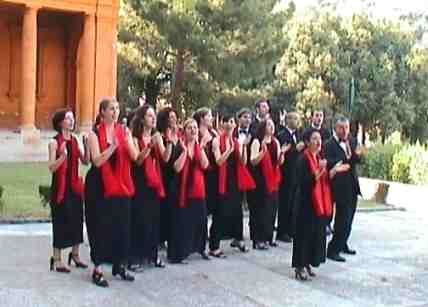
(29, 67)
(86, 73)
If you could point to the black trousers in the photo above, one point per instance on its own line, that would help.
(227, 221)
(285, 211)
(345, 212)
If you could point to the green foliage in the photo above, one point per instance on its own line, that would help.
(379, 160)
(397, 161)
(209, 48)
(1, 199)
(326, 52)
(410, 165)
(45, 194)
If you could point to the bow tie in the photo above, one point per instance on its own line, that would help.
(245, 131)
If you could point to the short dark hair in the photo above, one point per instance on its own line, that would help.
(57, 119)
(243, 111)
(226, 117)
(308, 134)
(258, 103)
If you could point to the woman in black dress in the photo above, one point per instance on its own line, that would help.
(233, 179)
(313, 207)
(67, 191)
(189, 212)
(167, 125)
(207, 134)
(145, 220)
(112, 151)
(266, 158)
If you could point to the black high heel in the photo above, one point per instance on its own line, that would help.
(159, 264)
(205, 255)
(78, 263)
(259, 246)
(61, 269)
(99, 280)
(300, 275)
(240, 245)
(310, 272)
(121, 271)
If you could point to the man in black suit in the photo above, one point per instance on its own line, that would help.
(262, 113)
(291, 141)
(317, 122)
(342, 150)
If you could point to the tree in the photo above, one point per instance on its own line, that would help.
(215, 45)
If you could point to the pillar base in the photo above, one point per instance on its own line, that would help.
(30, 135)
(85, 128)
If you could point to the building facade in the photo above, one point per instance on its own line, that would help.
(55, 54)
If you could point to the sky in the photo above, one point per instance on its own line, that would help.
(383, 8)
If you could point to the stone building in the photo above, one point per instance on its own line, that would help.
(55, 54)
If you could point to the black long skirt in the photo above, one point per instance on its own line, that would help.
(189, 230)
(145, 225)
(309, 243)
(107, 222)
(67, 221)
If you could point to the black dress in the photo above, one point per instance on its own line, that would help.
(188, 224)
(145, 219)
(168, 174)
(263, 207)
(211, 179)
(67, 217)
(227, 214)
(309, 244)
(108, 221)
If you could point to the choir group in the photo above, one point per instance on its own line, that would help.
(153, 183)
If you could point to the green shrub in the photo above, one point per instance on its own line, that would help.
(1, 199)
(410, 165)
(45, 194)
(378, 161)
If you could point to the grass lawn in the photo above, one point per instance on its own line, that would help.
(21, 190)
(21, 182)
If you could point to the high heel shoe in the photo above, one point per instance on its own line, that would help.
(259, 246)
(99, 280)
(310, 272)
(77, 262)
(61, 269)
(121, 271)
(159, 264)
(300, 275)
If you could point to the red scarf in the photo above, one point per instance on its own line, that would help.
(270, 170)
(77, 185)
(117, 180)
(192, 169)
(152, 170)
(245, 181)
(321, 193)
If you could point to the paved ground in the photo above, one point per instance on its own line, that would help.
(391, 269)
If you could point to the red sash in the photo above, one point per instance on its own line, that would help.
(152, 170)
(270, 169)
(117, 180)
(192, 169)
(77, 185)
(245, 180)
(321, 193)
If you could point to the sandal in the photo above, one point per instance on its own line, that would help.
(217, 254)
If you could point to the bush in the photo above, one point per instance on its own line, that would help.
(45, 194)
(378, 162)
(1, 200)
(398, 162)
(410, 165)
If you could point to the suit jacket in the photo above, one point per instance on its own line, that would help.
(289, 167)
(344, 185)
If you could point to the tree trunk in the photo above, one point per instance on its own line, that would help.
(179, 79)
(363, 140)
